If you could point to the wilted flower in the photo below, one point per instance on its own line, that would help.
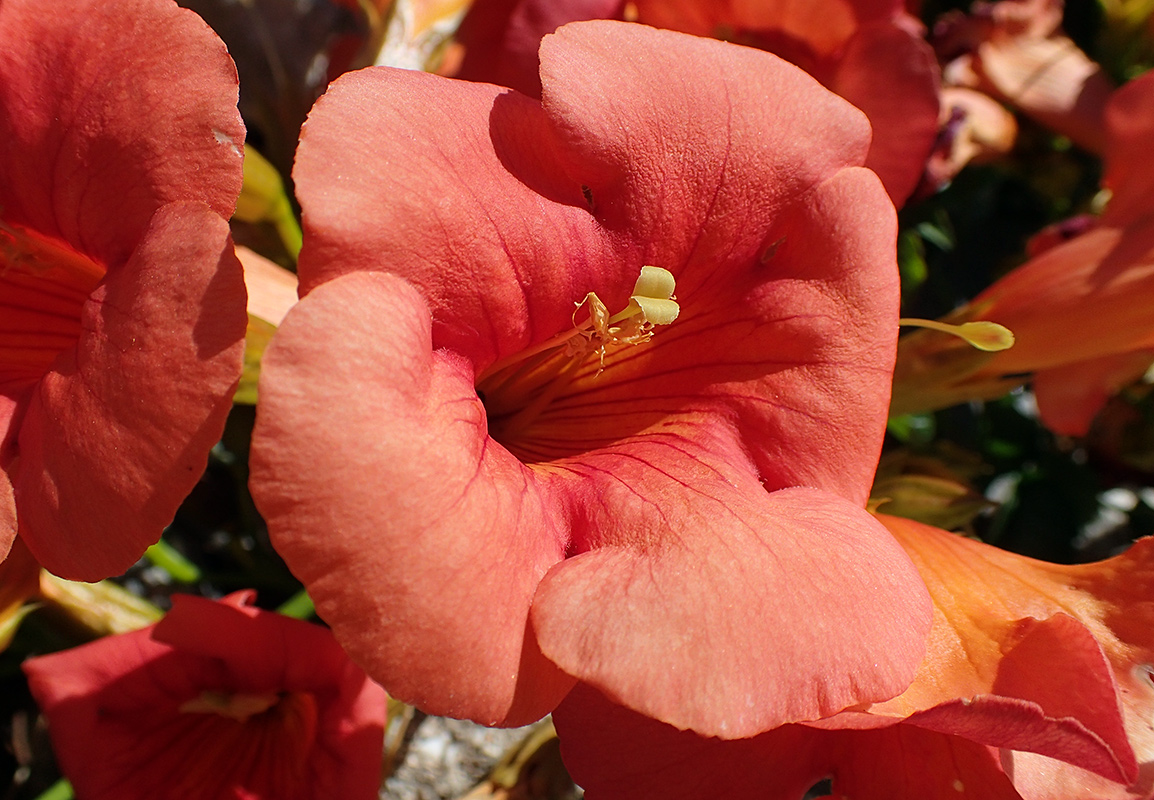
(495, 476)
(121, 334)
(217, 700)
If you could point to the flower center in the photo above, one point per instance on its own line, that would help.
(234, 705)
(518, 388)
(262, 742)
(44, 284)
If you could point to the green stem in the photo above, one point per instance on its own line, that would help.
(299, 606)
(61, 790)
(165, 556)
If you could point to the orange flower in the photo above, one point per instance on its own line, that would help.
(1036, 684)
(19, 581)
(1081, 311)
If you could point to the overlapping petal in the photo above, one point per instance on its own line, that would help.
(1079, 309)
(1035, 684)
(868, 51)
(174, 301)
(643, 476)
(91, 140)
(115, 380)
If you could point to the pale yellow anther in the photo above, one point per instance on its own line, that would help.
(650, 304)
(654, 282)
(653, 297)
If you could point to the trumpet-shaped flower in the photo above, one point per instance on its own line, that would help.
(602, 381)
(121, 302)
(218, 700)
(1036, 684)
(1080, 310)
(870, 52)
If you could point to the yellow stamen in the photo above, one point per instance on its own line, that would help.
(982, 334)
(652, 303)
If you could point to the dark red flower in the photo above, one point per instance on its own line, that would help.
(217, 701)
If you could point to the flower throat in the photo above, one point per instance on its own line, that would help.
(518, 388)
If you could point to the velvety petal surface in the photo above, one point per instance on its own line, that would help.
(892, 75)
(149, 383)
(1013, 628)
(421, 540)
(106, 110)
(783, 258)
(131, 715)
(674, 624)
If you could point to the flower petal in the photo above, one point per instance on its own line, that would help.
(501, 37)
(1047, 77)
(1069, 713)
(439, 536)
(1009, 626)
(1076, 301)
(1071, 395)
(1129, 173)
(892, 75)
(96, 131)
(150, 381)
(696, 171)
(618, 754)
(697, 558)
(381, 188)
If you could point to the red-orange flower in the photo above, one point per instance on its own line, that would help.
(1036, 684)
(122, 302)
(217, 701)
(506, 491)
